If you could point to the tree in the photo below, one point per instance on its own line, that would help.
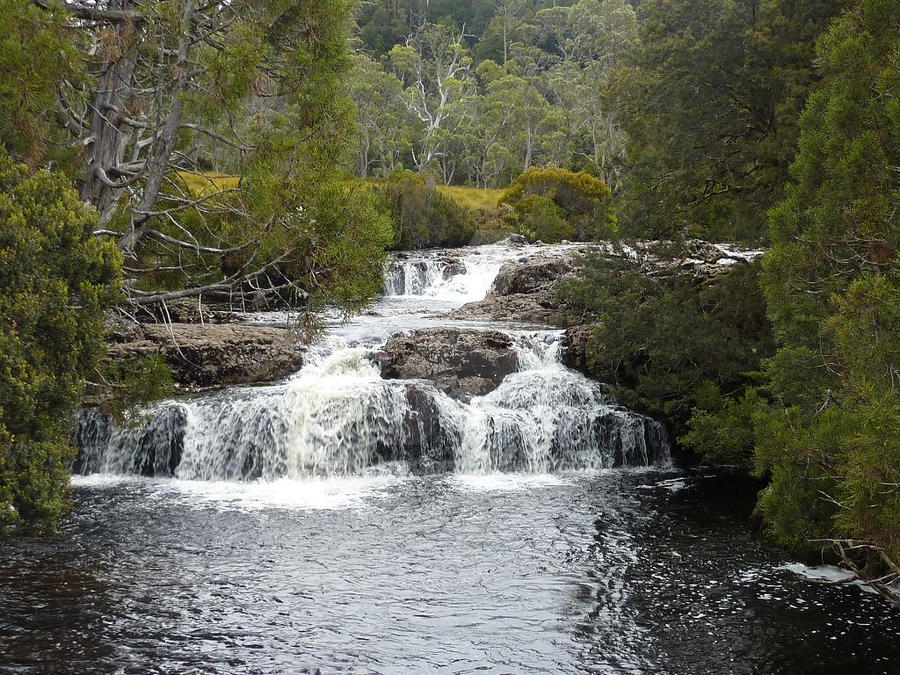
(831, 440)
(175, 89)
(502, 140)
(434, 66)
(56, 280)
(714, 96)
(508, 12)
(383, 121)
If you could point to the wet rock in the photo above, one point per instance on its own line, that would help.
(460, 362)
(212, 354)
(575, 348)
(524, 291)
(429, 443)
(531, 276)
(535, 309)
(155, 442)
(515, 240)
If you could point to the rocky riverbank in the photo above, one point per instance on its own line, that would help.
(526, 291)
(207, 346)
(207, 355)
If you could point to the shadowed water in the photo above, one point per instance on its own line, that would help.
(618, 572)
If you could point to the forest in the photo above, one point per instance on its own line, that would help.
(271, 155)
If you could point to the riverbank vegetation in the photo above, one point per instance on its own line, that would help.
(56, 279)
(794, 374)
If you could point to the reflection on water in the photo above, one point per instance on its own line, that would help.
(621, 572)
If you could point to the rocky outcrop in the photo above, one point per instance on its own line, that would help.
(702, 260)
(212, 354)
(188, 310)
(535, 275)
(575, 348)
(463, 363)
(524, 291)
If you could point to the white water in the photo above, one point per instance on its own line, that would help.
(338, 417)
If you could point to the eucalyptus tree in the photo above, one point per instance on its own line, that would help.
(434, 66)
(509, 112)
(383, 121)
(156, 94)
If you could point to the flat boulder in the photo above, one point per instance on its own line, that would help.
(460, 362)
(210, 355)
(524, 291)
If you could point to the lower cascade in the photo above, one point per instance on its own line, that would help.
(339, 416)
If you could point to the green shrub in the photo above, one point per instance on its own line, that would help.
(56, 278)
(582, 200)
(422, 216)
(670, 344)
(540, 220)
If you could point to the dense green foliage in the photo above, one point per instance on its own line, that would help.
(56, 278)
(715, 95)
(814, 406)
(831, 439)
(423, 217)
(556, 204)
(668, 343)
(130, 101)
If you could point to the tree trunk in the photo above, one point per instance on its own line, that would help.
(103, 185)
(158, 162)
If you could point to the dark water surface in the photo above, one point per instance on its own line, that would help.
(621, 572)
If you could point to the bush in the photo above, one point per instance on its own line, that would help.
(540, 220)
(422, 217)
(582, 201)
(56, 278)
(669, 344)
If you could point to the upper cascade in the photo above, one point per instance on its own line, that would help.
(339, 416)
(454, 275)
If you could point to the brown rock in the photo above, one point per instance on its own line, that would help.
(211, 354)
(460, 362)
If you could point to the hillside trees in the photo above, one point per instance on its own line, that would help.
(434, 66)
(175, 89)
(536, 85)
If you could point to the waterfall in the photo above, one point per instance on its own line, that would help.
(449, 275)
(338, 416)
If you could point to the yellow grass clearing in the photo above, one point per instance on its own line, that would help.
(477, 199)
(201, 184)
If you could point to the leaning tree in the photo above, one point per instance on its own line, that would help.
(206, 134)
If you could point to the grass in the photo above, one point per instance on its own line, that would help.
(202, 184)
(477, 199)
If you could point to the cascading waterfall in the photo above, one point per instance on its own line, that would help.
(452, 276)
(338, 416)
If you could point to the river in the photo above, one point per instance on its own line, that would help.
(335, 523)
